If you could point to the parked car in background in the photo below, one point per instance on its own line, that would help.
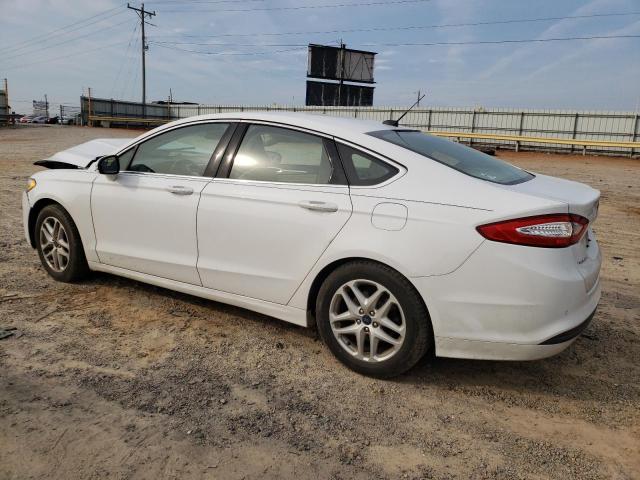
(26, 119)
(39, 119)
(393, 242)
(53, 120)
(68, 120)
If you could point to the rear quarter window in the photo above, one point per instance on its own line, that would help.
(459, 157)
(363, 169)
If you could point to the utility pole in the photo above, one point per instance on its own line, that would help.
(142, 13)
(6, 98)
(342, 55)
(418, 105)
(10, 118)
(89, 121)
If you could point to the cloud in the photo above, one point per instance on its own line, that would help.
(593, 47)
(571, 74)
(566, 27)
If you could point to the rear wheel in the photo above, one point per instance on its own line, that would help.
(373, 319)
(59, 245)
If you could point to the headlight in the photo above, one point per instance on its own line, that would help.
(31, 184)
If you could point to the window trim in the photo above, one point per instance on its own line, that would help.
(338, 175)
(214, 160)
(241, 124)
(166, 175)
(224, 169)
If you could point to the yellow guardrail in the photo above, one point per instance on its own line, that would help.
(523, 139)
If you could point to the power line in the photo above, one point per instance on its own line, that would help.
(497, 42)
(416, 27)
(407, 44)
(73, 39)
(131, 67)
(302, 7)
(124, 61)
(75, 54)
(232, 44)
(52, 33)
(135, 80)
(234, 53)
(203, 1)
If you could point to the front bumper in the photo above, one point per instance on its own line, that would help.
(26, 209)
(508, 302)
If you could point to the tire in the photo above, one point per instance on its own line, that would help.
(410, 328)
(62, 237)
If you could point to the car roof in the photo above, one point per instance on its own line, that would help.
(337, 126)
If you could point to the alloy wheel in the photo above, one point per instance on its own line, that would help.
(54, 244)
(367, 320)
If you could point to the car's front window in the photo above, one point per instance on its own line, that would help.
(183, 151)
(459, 157)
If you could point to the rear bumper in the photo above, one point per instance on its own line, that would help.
(486, 350)
(475, 350)
(508, 302)
(570, 334)
(460, 348)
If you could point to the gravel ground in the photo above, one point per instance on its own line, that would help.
(116, 379)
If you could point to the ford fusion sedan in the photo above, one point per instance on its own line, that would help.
(394, 243)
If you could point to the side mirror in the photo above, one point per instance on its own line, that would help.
(109, 165)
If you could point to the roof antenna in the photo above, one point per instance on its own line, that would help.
(395, 123)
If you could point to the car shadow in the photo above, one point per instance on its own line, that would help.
(103, 279)
(574, 374)
(560, 376)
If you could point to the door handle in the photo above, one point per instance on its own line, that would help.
(317, 206)
(180, 190)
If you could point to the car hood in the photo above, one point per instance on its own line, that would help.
(82, 155)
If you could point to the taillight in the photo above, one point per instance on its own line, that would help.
(552, 231)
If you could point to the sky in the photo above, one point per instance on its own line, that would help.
(253, 51)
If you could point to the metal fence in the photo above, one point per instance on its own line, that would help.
(543, 124)
(557, 124)
(128, 112)
(69, 110)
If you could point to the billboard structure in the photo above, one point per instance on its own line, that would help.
(339, 64)
(41, 108)
(334, 94)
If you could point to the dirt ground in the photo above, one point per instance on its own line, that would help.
(116, 379)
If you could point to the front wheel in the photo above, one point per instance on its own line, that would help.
(373, 319)
(59, 245)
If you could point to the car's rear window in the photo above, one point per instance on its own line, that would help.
(457, 156)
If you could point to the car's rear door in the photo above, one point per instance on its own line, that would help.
(145, 217)
(279, 200)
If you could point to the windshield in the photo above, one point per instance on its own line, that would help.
(457, 156)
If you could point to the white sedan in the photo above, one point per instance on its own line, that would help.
(393, 242)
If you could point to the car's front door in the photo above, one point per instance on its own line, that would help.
(280, 202)
(145, 217)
